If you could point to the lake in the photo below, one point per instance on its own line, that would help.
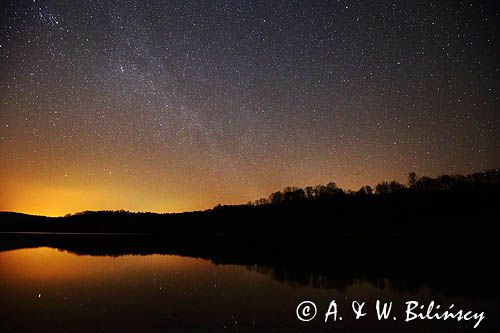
(49, 290)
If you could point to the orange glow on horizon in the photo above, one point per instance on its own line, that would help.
(61, 196)
(57, 200)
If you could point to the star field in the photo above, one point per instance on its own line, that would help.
(179, 105)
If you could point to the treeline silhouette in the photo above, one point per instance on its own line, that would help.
(446, 204)
(445, 183)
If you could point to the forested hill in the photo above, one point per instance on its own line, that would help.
(450, 203)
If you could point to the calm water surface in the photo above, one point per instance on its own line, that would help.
(48, 290)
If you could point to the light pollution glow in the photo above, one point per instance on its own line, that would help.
(169, 107)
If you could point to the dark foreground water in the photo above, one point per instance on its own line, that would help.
(49, 290)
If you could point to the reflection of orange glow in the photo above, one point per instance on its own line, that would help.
(45, 263)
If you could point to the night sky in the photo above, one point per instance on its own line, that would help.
(179, 105)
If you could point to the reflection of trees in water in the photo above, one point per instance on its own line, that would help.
(469, 274)
(303, 278)
(327, 281)
(436, 286)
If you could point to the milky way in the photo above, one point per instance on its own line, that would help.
(180, 105)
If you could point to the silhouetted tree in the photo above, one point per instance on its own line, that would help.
(412, 179)
(331, 186)
(365, 190)
(319, 191)
(368, 190)
(382, 188)
(290, 189)
(309, 193)
(276, 198)
(395, 187)
(332, 189)
(426, 184)
(261, 201)
(392, 187)
(295, 195)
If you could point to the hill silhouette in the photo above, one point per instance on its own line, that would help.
(449, 204)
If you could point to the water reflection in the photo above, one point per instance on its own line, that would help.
(46, 289)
